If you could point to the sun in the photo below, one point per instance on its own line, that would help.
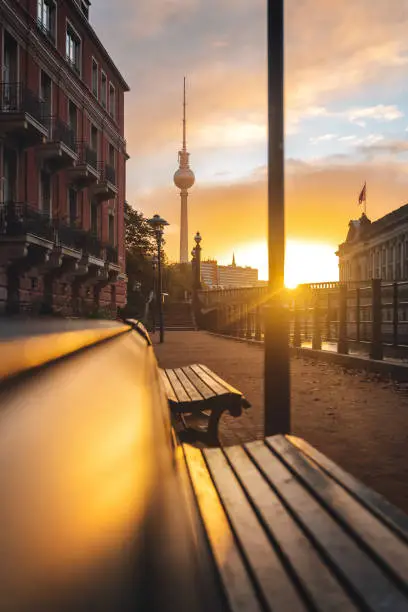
(305, 261)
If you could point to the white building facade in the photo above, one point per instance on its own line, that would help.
(376, 249)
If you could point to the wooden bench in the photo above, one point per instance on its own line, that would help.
(288, 530)
(112, 512)
(197, 398)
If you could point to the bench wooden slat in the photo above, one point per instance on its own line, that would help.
(167, 386)
(315, 577)
(336, 545)
(277, 588)
(192, 391)
(366, 527)
(222, 382)
(215, 386)
(180, 392)
(205, 391)
(395, 518)
(234, 576)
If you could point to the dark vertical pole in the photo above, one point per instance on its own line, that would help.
(376, 350)
(328, 317)
(297, 342)
(395, 313)
(342, 346)
(277, 385)
(159, 282)
(317, 333)
(358, 314)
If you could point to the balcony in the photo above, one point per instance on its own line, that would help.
(111, 254)
(22, 116)
(86, 171)
(60, 150)
(80, 239)
(47, 31)
(105, 188)
(20, 219)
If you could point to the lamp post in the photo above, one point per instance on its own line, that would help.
(158, 224)
(197, 262)
(277, 383)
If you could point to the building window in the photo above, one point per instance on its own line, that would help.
(104, 90)
(46, 11)
(94, 218)
(112, 230)
(95, 78)
(72, 206)
(112, 101)
(73, 49)
(94, 138)
(46, 93)
(45, 193)
(111, 150)
(73, 117)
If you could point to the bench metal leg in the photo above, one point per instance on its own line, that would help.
(212, 431)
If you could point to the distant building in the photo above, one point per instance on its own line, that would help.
(215, 276)
(209, 273)
(377, 249)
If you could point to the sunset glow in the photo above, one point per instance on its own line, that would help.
(305, 261)
(345, 121)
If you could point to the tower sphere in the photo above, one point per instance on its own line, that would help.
(184, 178)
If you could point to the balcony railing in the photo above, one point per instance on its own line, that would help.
(80, 239)
(47, 31)
(111, 253)
(60, 131)
(16, 97)
(87, 155)
(19, 218)
(108, 173)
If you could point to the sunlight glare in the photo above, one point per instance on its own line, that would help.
(305, 262)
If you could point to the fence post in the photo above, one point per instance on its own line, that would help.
(376, 349)
(395, 313)
(328, 332)
(297, 337)
(249, 322)
(342, 346)
(358, 314)
(317, 334)
(258, 332)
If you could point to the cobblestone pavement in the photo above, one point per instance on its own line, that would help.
(356, 419)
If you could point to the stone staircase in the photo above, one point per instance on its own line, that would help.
(178, 316)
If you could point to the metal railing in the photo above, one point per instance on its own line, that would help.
(47, 31)
(107, 172)
(111, 253)
(60, 131)
(77, 238)
(16, 97)
(366, 317)
(19, 218)
(87, 155)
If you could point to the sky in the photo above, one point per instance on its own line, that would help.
(346, 118)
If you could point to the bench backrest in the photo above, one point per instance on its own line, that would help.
(93, 511)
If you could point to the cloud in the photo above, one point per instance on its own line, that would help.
(380, 112)
(324, 138)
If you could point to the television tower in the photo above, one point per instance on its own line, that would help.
(184, 179)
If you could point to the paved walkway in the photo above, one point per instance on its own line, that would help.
(357, 420)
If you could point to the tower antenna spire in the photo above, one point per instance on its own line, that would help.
(184, 179)
(184, 117)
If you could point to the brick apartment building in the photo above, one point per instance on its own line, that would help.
(62, 162)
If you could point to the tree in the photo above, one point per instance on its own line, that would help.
(140, 244)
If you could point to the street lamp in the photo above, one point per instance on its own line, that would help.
(197, 262)
(158, 225)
